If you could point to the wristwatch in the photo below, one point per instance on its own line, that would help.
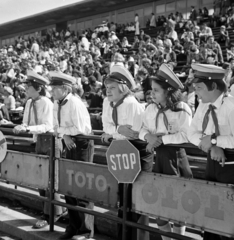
(213, 139)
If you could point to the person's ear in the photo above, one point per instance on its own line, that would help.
(214, 86)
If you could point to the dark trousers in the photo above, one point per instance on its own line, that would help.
(166, 161)
(84, 152)
(216, 173)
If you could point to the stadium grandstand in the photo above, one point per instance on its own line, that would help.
(157, 74)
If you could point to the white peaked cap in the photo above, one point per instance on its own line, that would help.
(121, 74)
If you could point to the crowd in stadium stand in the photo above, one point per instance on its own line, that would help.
(89, 56)
(134, 72)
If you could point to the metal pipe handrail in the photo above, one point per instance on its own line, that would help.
(98, 137)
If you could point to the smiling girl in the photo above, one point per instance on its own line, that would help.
(166, 122)
(122, 119)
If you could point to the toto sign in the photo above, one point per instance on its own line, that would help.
(123, 161)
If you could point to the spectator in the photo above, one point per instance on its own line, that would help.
(179, 50)
(215, 47)
(152, 21)
(148, 98)
(223, 36)
(205, 32)
(205, 12)
(188, 34)
(193, 55)
(167, 41)
(9, 100)
(230, 53)
(34, 48)
(144, 79)
(137, 25)
(170, 56)
(196, 33)
(172, 34)
(193, 15)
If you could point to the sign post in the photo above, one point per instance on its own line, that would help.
(123, 161)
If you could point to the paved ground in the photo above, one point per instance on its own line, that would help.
(16, 222)
(5, 236)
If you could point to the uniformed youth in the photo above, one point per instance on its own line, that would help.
(37, 119)
(71, 118)
(212, 128)
(166, 121)
(122, 118)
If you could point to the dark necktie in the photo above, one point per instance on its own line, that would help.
(211, 110)
(33, 106)
(60, 104)
(162, 111)
(115, 112)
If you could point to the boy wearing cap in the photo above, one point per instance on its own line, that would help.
(166, 122)
(122, 119)
(212, 128)
(71, 118)
(37, 119)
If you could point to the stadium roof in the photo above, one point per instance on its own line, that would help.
(70, 12)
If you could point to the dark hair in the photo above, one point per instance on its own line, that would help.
(38, 86)
(221, 85)
(174, 96)
(149, 92)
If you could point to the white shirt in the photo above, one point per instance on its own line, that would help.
(35, 48)
(9, 102)
(63, 65)
(75, 117)
(38, 69)
(178, 124)
(173, 35)
(44, 109)
(129, 112)
(225, 115)
(85, 43)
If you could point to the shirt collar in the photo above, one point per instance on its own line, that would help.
(218, 101)
(67, 97)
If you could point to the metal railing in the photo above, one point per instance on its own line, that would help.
(123, 221)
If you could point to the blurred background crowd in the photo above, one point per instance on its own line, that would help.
(89, 56)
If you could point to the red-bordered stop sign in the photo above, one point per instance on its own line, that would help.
(123, 161)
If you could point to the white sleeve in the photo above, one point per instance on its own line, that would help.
(134, 117)
(47, 120)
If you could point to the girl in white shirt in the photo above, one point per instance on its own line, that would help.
(122, 119)
(166, 122)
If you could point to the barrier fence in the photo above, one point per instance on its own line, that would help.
(200, 204)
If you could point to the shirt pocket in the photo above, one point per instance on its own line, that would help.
(173, 126)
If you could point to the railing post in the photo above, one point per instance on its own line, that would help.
(52, 176)
(125, 205)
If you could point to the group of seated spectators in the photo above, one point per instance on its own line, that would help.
(89, 57)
